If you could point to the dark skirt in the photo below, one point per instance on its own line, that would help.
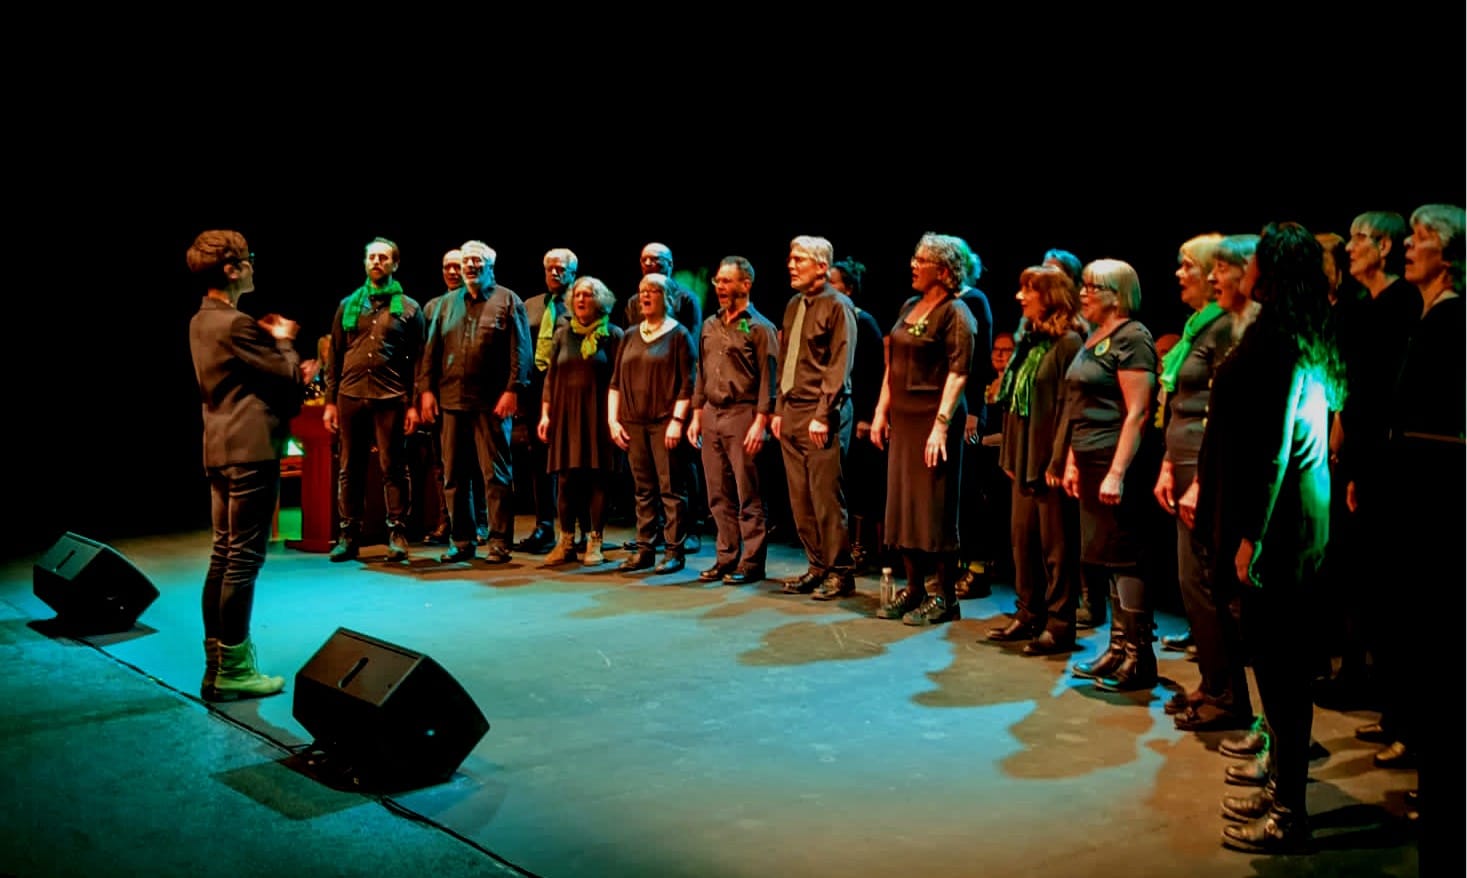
(1110, 536)
(921, 502)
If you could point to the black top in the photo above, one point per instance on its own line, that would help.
(534, 314)
(1431, 394)
(1188, 402)
(922, 356)
(1373, 335)
(1095, 408)
(249, 383)
(737, 362)
(824, 353)
(983, 372)
(477, 348)
(379, 358)
(651, 378)
(1035, 444)
(870, 368)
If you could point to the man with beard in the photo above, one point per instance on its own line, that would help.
(733, 398)
(376, 338)
(476, 362)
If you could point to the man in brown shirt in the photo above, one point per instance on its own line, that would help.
(813, 417)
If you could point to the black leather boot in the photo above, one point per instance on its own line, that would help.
(1137, 669)
(1105, 663)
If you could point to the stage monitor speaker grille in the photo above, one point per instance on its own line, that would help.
(90, 585)
(383, 713)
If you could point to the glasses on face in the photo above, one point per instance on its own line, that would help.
(923, 260)
(1094, 289)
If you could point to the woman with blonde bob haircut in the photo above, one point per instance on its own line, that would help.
(1109, 396)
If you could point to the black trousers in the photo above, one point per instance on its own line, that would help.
(817, 492)
(478, 440)
(1209, 588)
(735, 499)
(1045, 531)
(659, 478)
(1273, 617)
(543, 485)
(365, 424)
(242, 507)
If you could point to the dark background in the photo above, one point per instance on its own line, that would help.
(1124, 160)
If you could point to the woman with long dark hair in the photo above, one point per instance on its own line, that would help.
(1264, 502)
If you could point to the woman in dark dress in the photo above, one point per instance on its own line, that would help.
(921, 413)
(1109, 392)
(647, 408)
(1264, 489)
(1043, 520)
(573, 420)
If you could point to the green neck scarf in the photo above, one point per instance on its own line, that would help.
(1018, 384)
(591, 334)
(545, 337)
(1171, 364)
(360, 301)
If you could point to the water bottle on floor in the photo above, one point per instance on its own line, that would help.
(888, 587)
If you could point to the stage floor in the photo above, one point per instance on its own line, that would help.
(657, 726)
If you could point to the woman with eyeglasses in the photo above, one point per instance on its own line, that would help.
(920, 417)
(1263, 501)
(647, 406)
(1032, 454)
(1109, 393)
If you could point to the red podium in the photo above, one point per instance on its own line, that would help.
(318, 482)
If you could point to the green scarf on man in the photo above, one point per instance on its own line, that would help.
(359, 301)
(545, 337)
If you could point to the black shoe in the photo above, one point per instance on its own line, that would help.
(1135, 673)
(1278, 832)
(1176, 642)
(1397, 755)
(802, 584)
(540, 540)
(744, 576)
(1207, 718)
(715, 573)
(1250, 807)
(1017, 629)
(397, 546)
(933, 609)
(1047, 644)
(671, 562)
(497, 553)
(833, 586)
(1374, 733)
(692, 544)
(906, 601)
(344, 550)
(972, 585)
(1102, 665)
(641, 560)
(1182, 702)
(1248, 746)
(1253, 773)
(458, 553)
(437, 537)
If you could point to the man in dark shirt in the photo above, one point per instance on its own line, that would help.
(733, 399)
(476, 362)
(813, 417)
(376, 338)
(543, 312)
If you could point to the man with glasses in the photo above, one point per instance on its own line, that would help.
(376, 338)
(475, 364)
(813, 417)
